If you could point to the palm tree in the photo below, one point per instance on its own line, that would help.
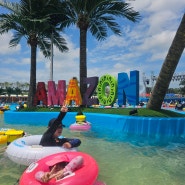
(168, 68)
(97, 16)
(31, 20)
(182, 86)
(7, 84)
(18, 92)
(1, 91)
(9, 91)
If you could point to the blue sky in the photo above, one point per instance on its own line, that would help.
(143, 46)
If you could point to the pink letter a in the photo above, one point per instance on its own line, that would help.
(56, 97)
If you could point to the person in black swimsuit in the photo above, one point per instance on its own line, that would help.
(55, 127)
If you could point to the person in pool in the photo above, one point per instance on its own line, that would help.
(55, 127)
(59, 168)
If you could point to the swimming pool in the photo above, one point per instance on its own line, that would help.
(114, 127)
(123, 158)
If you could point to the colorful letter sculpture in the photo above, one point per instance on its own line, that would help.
(108, 90)
(92, 84)
(73, 93)
(128, 89)
(109, 98)
(41, 94)
(56, 97)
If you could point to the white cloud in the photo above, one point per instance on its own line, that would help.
(143, 46)
(112, 41)
(157, 44)
(157, 5)
(65, 65)
(4, 46)
(174, 6)
(12, 75)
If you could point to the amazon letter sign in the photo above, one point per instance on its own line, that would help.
(124, 89)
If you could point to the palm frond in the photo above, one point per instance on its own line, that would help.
(60, 42)
(45, 44)
(16, 39)
(45, 47)
(111, 24)
(10, 6)
(117, 9)
(99, 30)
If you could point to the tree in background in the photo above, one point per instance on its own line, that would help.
(182, 89)
(9, 91)
(31, 20)
(168, 68)
(1, 91)
(97, 16)
(17, 91)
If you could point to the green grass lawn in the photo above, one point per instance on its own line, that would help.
(120, 111)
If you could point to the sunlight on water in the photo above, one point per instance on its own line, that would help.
(122, 161)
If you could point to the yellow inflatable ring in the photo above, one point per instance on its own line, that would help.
(107, 80)
(14, 134)
(3, 139)
(80, 118)
(8, 135)
(4, 130)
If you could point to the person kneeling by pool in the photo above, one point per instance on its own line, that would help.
(59, 168)
(55, 127)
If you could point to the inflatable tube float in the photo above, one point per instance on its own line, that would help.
(4, 108)
(171, 105)
(3, 139)
(86, 175)
(8, 135)
(27, 150)
(80, 118)
(4, 130)
(80, 126)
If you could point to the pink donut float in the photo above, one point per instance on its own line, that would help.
(81, 126)
(86, 175)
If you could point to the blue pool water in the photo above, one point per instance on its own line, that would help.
(113, 127)
(125, 158)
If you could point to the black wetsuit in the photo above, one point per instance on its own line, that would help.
(48, 139)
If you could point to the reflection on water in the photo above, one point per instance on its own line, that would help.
(122, 160)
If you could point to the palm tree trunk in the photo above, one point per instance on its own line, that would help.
(83, 60)
(168, 68)
(51, 64)
(32, 87)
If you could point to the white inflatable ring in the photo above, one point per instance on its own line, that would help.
(27, 150)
